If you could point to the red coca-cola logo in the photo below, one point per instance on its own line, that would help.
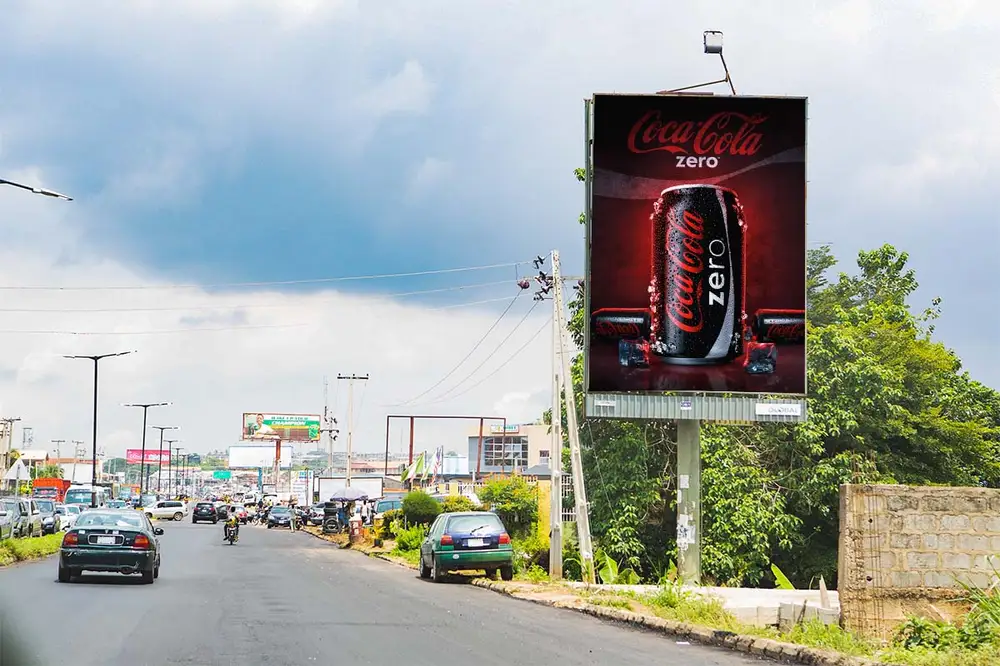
(612, 329)
(684, 270)
(784, 331)
(725, 133)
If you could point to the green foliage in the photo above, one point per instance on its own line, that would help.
(391, 521)
(410, 538)
(419, 508)
(781, 581)
(611, 573)
(31, 548)
(529, 550)
(47, 472)
(514, 500)
(536, 574)
(918, 632)
(454, 503)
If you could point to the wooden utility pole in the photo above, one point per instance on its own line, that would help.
(350, 418)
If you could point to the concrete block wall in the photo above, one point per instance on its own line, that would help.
(904, 550)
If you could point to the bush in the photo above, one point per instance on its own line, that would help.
(419, 508)
(390, 520)
(514, 500)
(530, 551)
(454, 503)
(411, 538)
(19, 550)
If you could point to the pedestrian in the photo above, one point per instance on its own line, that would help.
(365, 513)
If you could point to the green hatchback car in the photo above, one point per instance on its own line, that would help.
(467, 540)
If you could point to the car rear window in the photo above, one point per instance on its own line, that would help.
(108, 520)
(485, 523)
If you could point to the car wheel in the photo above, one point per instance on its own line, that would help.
(149, 515)
(148, 577)
(63, 574)
(156, 571)
(194, 522)
(507, 572)
(425, 571)
(436, 574)
(178, 516)
(215, 521)
(491, 574)
(269, 526)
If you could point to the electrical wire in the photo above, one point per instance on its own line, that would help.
(196, 308)
(146, 287)
(507, 338)
(155, 332)
(466, 357)
(503, 365)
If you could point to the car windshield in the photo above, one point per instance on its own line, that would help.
(78, 496)
(279, 509)
(485, 523)
(9, 506)
(45, 506)
(92, 519)
(61, 510)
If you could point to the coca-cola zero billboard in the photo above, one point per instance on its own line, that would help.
(697, 244)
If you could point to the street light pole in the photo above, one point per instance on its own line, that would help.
(143, 467)
(178, 470)
(170, 463)
(36, 190)
(96, 359)
(159, 467)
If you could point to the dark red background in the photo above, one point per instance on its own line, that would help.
(773, 198)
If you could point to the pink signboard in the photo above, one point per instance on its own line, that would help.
(153, 456)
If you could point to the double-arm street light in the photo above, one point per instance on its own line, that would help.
(171, 474)
(143, 467)
(159, 468)
(36, 190)
(93, 458)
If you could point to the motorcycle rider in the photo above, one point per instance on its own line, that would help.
(232, 523)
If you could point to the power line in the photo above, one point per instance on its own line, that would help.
(492, 373)
(157, 332)
(194, 308)
(445, 396)
(147, 287)
(466, 357)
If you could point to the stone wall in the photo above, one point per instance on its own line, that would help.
(904, 550)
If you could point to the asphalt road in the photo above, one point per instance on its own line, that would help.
(290, 599)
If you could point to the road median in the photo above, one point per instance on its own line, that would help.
(13, 551)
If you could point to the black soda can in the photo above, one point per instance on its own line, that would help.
(780, 326)
(697, 293)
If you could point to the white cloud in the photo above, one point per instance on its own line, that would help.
(429, 174)
(213, 376)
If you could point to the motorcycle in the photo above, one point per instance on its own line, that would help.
(231, 535)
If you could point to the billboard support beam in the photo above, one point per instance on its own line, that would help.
(413, 417)
(689, 501)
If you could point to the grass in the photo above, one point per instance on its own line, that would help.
(31, 548)
(411, 557)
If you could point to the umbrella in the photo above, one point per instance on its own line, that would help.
(348, 495)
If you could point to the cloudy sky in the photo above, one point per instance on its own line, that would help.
(236, 141)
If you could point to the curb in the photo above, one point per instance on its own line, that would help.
(753, 645)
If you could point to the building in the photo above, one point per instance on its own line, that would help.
(508, 449)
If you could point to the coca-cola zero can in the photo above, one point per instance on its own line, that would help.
(697, 290)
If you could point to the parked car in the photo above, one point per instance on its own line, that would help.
(205, 512)
(51, 521)
(26, 520)
(279, 516)
(8, 522)
(117, 504)
(114, 541)
(67, 515)
(172, 509)
(464, 541)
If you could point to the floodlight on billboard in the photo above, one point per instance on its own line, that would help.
(697, 245)
(286, 427)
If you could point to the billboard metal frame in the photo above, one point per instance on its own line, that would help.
(319, 418)
(719, 407)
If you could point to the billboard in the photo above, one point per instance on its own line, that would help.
(255, 455)
(153, 456)
(286, 427)
(697, 245)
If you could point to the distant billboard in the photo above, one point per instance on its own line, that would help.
(153, 456)
(286, 427)
(254, 455)
(697, 245)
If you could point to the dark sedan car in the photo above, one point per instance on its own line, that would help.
(205, 511)
(279, 516)
(51, 522)
(113, 541)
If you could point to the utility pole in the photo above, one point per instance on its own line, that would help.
(7, 439)
(350, 417)
(178, 471)
(58, 443)
(78, 450)
(555, 461)
(159, 467)
(576, 460)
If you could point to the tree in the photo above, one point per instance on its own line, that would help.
(419, 508)
(47, 472)
(514, 500)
